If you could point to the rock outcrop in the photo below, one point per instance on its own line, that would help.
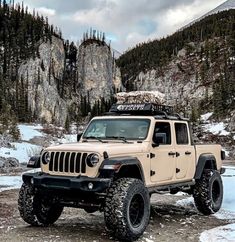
(9, 164)
(179, 88)
(183, 80)
(40, 75)
(98, 75)
(5, 140)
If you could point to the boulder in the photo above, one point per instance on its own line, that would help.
(9, 164)
(12, 162)
(5, 140)
(2, 161)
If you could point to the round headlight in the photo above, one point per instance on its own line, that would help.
(92, 160)
(46, 158)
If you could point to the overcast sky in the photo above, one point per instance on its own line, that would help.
(125, 22)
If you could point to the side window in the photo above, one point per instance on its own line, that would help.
(181, 133)
(162, 133)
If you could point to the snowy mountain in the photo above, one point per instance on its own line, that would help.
(229, 4)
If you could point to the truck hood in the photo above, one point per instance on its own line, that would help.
(112, 148)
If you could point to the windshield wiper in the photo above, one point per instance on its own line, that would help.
(117, 137)
(94, 137)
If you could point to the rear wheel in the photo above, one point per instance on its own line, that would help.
(127, 209)
(208, 192)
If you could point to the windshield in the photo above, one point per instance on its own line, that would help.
(132, 129)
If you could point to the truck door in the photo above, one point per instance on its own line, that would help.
(185, 154)
(163, 154)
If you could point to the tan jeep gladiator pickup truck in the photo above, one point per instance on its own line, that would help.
(122, 158)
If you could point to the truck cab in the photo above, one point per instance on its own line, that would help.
(172, 148)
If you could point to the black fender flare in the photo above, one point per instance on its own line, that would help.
(120, 162)
(205, 161)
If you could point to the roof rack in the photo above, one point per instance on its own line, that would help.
(145, 109)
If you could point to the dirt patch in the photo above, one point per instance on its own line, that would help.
(168, 223)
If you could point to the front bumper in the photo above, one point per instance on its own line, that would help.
(83, 184)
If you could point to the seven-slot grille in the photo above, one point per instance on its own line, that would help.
(68, 162)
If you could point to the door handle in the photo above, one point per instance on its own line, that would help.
(171, 153)
(187, 153)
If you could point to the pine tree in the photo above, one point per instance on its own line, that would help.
(67, 124)
(14, 130)
(194, 115)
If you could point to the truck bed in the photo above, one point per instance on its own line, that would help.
(209, 149)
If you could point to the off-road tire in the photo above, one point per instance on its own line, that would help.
(32, 210)
(208, 192)
(25, 205)
(127, 209)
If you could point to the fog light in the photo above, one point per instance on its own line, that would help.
(31, 181)
(90, 186)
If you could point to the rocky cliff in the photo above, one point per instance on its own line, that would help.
(40, 75)
(97, 77)
(178, 80)
(197, 75)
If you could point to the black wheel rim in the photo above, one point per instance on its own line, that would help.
(215, 191)
(43, 208)
(136, 210)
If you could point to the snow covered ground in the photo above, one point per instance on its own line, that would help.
(206, 116)
(227, 212)
(220, 234)
(10, 182)
(213, 127)
(216, 128)
(29, 131)
(68, 138)
(23, 149)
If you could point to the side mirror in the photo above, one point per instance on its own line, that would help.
(79, 136)
(155, 145)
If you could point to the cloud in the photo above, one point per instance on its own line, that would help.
(126, 23)
(46, 11)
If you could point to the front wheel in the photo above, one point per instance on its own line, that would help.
(36, 209)
(127, 209)
(208, 192)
